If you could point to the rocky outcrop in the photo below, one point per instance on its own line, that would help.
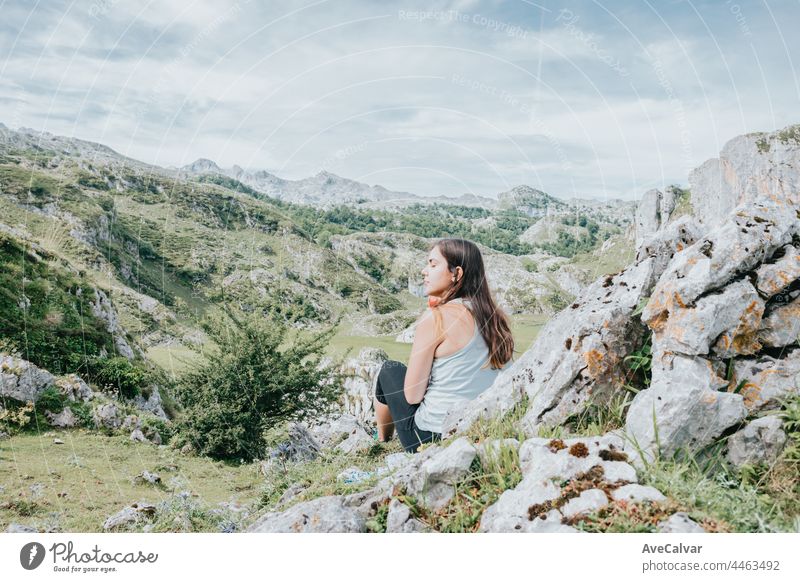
(750, 168)
(724, 302)
(21, 380)
(653, 212)
(103, 309)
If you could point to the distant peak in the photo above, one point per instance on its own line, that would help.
(202, 165)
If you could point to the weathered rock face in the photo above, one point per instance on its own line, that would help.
(757, 166)
(737, 310)
(765, 379)
(358, 386)
(107, 416)
(579, 353)
(21, 380)
(773, 278)
(683, 408)
(103, 309)
(64, 419)
(761, 441)
(323, 515)
(653, 212)
(152, 403)
(436, 477)
(751, 235)
(724, 304)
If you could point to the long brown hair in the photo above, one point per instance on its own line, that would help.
(490, 319)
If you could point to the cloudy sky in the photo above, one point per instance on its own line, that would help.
(600, 99)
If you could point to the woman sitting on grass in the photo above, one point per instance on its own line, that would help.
(461, 344)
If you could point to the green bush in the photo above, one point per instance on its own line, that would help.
(119, 375)
(252, 382)
(51, 399)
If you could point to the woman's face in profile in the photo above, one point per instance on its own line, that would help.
(437, 276)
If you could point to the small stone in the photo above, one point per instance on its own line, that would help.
(138, 436)
(149, 477)
(680, 523)
(58, 442)
(134, 513)
(637, 493)
(19, 528)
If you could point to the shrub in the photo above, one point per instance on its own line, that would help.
(252, 382)
(118, 374)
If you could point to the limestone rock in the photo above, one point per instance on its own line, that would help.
(773, 278)
(148, 477)
(680, 522)
(64, 419)
(736, 311)
(21, 380)
(301, 446)
(683, 407)
(152, 403)
(765, 380)
(357, 441)
(399, 519)
(336, 430)
(752, 167)
(563, 459)
(782, 326)
(435, 479)
(321, 515)
(19, 528)
(103, 309)
(751, 234)
(587, 502)
(666, 242)
(74, 388)
(359, 383)
(653, 212)
(134, 513)
(761, 441)
(637, 493)
(510, 512)
(107, 415)
(138, 436)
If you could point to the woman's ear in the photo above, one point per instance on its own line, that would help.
(459, 274)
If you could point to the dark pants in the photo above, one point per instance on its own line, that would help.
(389, 391)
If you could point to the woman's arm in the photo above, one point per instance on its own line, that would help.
(421, 361)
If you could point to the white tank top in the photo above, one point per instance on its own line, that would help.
(455, 379)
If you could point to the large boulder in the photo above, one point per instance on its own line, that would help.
(322, 515)
(21, 380)
(434, 482)
(563, 480)
(683, 409)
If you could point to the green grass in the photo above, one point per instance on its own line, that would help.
(91, 477)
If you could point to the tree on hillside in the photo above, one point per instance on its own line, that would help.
(253, 380)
